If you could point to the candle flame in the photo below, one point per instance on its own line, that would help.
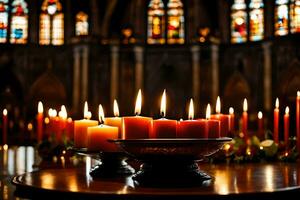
(191, 110)
(298, 94)
(63, 112)
(5, 112)
(50, 112)
(116, 109)
(86, 113)
(245, 105)
(163, 104)
(218, 105)
(260, 115)
(277, 103)
(287, 110)
(208, 111)
(40, 107)
(54, 113)
(138, 103)
(231, 111)
(101, 114)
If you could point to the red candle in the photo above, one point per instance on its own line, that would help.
(192, 128)
(163, 128)
(40, 122)
(115, 121)
(63, 117)
(298, 120)
(224, 119)
(4, 127)
(245, 119)
(137, 127)
(260, 120)
(70, 129)
(231, 113)
(213, 127)
(276, 122)
(286, 119)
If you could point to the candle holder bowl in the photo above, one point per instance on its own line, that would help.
(113, 164)
(171, 162)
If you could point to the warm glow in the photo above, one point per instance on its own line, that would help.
(54, 113)
(298, 94)
(163, 104)
(245, 105)
(138, 103)
(208, 111)
(86, 113)
(47, 120)
(101, 114)
(260, 115)
(5, 112)
(231, 111)
(40, 107)
(191, 110)
(287, 110)
(63, 112)
(116, 109)
(218, 105)
(277, 103)
(29, 126)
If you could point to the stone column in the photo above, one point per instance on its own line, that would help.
(195, 49)
(76, 78)
(114, 76)
(215, 71)
(85, 73)
(139, 67)
(267, 75)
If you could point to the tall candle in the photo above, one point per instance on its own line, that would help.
(298, 120)
(286, 119)
(4, 128)
(136, 127)
(213, 127)
(115, 121)
(224, 119)
(164, 128)
(260, 120)
(80, 128)
(40, 121)
(232, 119)
(276, 122)
(98, 135)
(63, 117)
(245, 119)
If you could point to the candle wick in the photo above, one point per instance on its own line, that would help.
(163, 114)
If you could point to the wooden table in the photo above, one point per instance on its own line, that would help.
(235, 181)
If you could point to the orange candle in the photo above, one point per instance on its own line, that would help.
(192, 128)
(298, 120)
(286, 119)
(231, 126)
(245, 119)
(213, 127)
(164, 128)
(260, 120)
(70, 129)
(115, 121)
(276, 122)
(137, 127)
(80, 128)
(224, 119)
(98, 136)
(40, 122)
(4, 127)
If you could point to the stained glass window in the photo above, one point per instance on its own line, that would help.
(82, 25)
(175, 26)
(295, 16)
(256, 20)
(3, 20)
(19, 22)
(238, 22)
(156, 22)
(281, 17)
(51, 23)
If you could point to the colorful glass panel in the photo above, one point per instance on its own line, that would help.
(238, 22)
(281, 17)
(82, 24)
(295, 16)
(19, 22)
(256, 20)
(156, 22)
(3, 20)
(175, 22)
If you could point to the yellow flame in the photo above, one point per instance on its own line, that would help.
(208, 111)
(260, 115)
(277, 103)
(287, 110)
(40, 107)
(191, 110)
(163, 104)
(5, 112)
(245, 105)
(63, 112)
(101, 114)
(116, 109)
(298, 94)
(54, 113)
(86, 113)
(138, 103)
(218, 105)
(231, 111)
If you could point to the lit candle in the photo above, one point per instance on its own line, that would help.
(80, 128)
(164, 128)
(245, 119)
(63, 117)
(4, 128)
(224, 119)
(286, 119)
(232, 119)
(40, 121)
(136, 127)
(298, 120)
(276, 122)
(115, 121)
(213, 125)
(260, 120)
(98, 136)
(70, 129)
(192, 128)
